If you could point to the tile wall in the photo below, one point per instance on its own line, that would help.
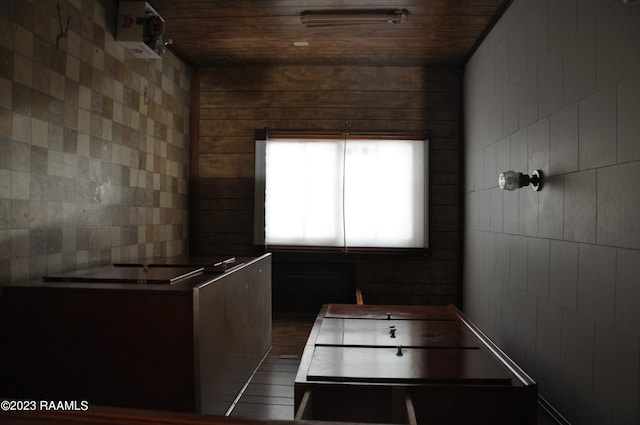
(554, 276)
(93, 143)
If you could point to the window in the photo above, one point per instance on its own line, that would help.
(359, 191)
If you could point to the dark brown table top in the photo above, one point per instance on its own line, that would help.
(415, 365)
(382, 312)
(391, 333)
(111, 274)
(182, 261)
(175, 277)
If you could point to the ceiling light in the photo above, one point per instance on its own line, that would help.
(301, 43)
(333, 18)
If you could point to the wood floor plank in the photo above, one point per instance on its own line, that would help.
(270, 390)
(254, 399)
(263, 411)
(269, 395)
(274, 378)
(291, 367)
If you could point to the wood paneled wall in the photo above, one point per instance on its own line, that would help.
(235, 101)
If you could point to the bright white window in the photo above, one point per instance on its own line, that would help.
(347, 193)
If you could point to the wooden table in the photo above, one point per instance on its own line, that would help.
(408, 364)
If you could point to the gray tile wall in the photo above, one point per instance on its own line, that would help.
(554, 276)
(93, 143)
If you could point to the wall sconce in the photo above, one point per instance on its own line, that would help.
(511, 180)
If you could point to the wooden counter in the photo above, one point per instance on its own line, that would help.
(408, 364)
(174, 339)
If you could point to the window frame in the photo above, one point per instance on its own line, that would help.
(263, 135)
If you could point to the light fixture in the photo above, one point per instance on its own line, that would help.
(511, 180)
(333, 18)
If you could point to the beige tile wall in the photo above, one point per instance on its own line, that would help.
(93, 143)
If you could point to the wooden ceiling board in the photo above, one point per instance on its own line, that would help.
(215, 33)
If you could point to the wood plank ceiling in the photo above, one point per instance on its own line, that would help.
(215, 32)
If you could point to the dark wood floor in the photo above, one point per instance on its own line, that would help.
(269, 395)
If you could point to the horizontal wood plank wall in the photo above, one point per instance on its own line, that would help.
(236, 101)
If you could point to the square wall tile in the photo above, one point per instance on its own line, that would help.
(503, 256)
(510, 109)
(497, 209)
(5, 151)
(562, 20)
(518, 255)
(510, 216)
(550, 82)
(5, 181)
(628, 109)
(528, 97)
(538, 266)
(484, 205)
(597, 129)
(489, 249)
(563, 141)
(490, 170)
(628, 292)
(478, 169)
(549, 333)
(500, 52)
(615, 373)
(527, 321)
(617, 47)
(563, 274)
(576, 358)
(20, 185)
(596, 283)
(618, 205)
(509, 325)
(589, 411)
(495, 118)
(20, 268)
(580, 206)
(588, 10)
(5, 218)
(20, 128)
(551, 208)
(528, 213)
(6, 101)
(537, 30)
(538, 146)
(471, 206)
(23, 70)
(579, 58)
(554, 385)
(519, 150)
(495, 306)
(515, 34)
(503, 155)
